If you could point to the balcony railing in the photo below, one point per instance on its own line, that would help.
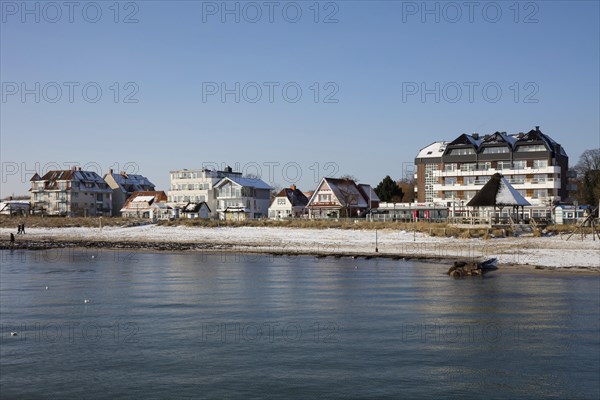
(473, 168)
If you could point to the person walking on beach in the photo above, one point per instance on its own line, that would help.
(23, 228)
(12, 239)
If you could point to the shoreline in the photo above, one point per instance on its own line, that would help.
(59, 242)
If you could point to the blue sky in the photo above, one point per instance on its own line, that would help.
(371, 66)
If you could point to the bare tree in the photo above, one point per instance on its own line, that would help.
(275, 189)
(588, 177)
(408, 189)
(348, 194)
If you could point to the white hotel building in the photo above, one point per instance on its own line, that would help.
(197, 186)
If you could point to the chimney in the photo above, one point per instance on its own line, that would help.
(228, 169)
(78, 168)
(110, 171)
(73, 168)
(537, 128)
(475, 135)
(293, 187)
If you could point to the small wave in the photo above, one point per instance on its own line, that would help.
(66, 271)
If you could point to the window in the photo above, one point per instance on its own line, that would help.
(449, 167)
(484, 166)
(468, 167)
(495, 150)
(537, 164)
(540, 193)
(529, 148)
(462, 152)
(504, 165)
(541, 213)
(450, 180)
(521, 164)
(469, 180)
(539, 179)
(324, 198)
(449, 194)
(281, 202)
(516, 179)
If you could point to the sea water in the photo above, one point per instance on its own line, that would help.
(116, 324)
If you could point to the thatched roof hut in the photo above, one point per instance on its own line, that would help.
(497, 192)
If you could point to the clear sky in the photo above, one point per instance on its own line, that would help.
(185, 85)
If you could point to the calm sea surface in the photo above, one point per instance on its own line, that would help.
(163, 325)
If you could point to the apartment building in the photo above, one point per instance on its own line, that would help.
(452, 172)
(197, 186)
(72, 193)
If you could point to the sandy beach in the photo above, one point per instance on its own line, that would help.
(547, 252)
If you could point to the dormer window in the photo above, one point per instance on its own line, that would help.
(462, 152)
(495, 150)
(529, 148)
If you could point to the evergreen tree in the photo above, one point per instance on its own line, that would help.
(388, 190)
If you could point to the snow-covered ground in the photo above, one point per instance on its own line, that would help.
(544, 251)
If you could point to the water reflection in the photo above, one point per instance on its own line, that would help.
(224, 325)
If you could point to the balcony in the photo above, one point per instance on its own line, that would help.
(465, 172)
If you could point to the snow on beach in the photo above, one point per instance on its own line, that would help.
(543, 251)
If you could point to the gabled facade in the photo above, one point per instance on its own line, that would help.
(453, 172)
(340, 198)
(196, 210)
(197, 186)
(288, 203)
(124, 185)
(143, 204)
(242, 198)
(72, 193)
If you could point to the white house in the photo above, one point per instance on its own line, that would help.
(196, 210)
(335, 198)
(288, 203)
(197, 186)
(242, 198)
(143, 204)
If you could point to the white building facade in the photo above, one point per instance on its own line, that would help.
(197, 186)
(242, 198)
(288, 203)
